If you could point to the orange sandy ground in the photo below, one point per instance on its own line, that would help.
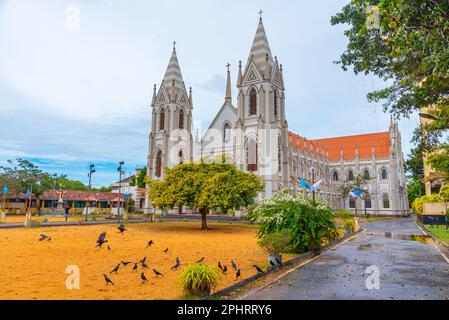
(30, 269)
(21, 218)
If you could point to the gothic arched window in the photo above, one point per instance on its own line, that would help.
(279, 155)
(368, 204)
(226, 132)
(351, 203)
(275, 103)
(159, 164)
(180, 155)
(350, 175)
(162, 119)
(181, 119)
(252, 102)
(366, 174)
(335, 176)
(386, 201)
(251, 155)
(384, 174)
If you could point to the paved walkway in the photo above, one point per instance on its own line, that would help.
(408, 269)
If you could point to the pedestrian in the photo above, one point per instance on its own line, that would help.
(67, 212)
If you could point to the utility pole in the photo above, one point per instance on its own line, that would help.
(91, 170)
(54, 188)
(119, 169)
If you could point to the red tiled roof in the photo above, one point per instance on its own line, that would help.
(363, 142)
(80, 195)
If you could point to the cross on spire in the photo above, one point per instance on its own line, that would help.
(174, 45)
(260, 14)
(228, 65)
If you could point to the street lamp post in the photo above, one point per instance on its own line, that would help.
(54, 188)
(119, 169)
(312, 170)
(91, 171)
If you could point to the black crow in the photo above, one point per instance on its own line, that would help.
(220, 266)
(177, 264)
(142, 276)
(259, 270)
(108, 281)
(116, 268)
(273, 265)
(150, 243)
(144, 265)
(101, 239)
(135, 267)
(125, 263)
(121, 228)
(201, 260)
(166, 250)
(279, 262)
(157, 273)
(234, 266)
(44, 237)
(143, 260)
(225, 269)
(237, 274)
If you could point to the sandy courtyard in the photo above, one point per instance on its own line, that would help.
(30, 269)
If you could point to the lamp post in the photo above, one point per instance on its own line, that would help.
(312, 170)
(91, 171)
(119, 169)
(54, 188)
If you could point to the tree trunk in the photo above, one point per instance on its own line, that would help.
(203, 219)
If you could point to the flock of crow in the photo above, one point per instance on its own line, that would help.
(102, 240)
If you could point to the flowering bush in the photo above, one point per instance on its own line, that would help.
(308, 225)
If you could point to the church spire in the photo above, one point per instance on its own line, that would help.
(228, 96)
(260, 48)
(240, 76)
(173, 72)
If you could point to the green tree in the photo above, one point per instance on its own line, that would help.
(414, 167)
(408, 47)
(190, 185)
(139, 178)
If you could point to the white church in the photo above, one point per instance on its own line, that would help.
(253, 134)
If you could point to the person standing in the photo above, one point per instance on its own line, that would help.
(67, 213)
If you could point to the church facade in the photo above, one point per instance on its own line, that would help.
(254, 136)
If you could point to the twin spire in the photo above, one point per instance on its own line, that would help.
(260, 49)
(173, 72)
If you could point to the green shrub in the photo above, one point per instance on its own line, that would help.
(275, 243)
(199, 279)
(417, 205)
(308, 225)
(343, 213)
(349, 224)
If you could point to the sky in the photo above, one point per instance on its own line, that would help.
(76, 76)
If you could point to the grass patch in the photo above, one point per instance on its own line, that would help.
(440, 231)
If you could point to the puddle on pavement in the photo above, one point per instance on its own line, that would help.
(368, 246)
(402, 236)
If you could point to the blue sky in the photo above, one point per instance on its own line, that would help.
(71, 96)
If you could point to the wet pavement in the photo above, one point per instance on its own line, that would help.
(408, 269)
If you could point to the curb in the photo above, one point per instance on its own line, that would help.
(301, 258)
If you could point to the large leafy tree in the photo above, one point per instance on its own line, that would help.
(414, 167)
(406, 43)
(139, 178)
(204, 186)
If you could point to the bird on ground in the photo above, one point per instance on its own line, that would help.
(234, 266)
(225, 269)
(157, 273)
(121, 228)
(220, 266)
(201, 260)
(142, 276)
(125, 263)
(135, 267)
(166, 250)
(108, 281)
(279, 262)
(273, 265)
(44, 237)
(150, 243)
(259, 270)
(101, 239)
(115, 270)
(144, 265)
(144, 259)
(237, 274)
(177, 264)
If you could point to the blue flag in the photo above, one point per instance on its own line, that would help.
(304, 183)
(5, 189)
(356, 193)
(28, 192)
